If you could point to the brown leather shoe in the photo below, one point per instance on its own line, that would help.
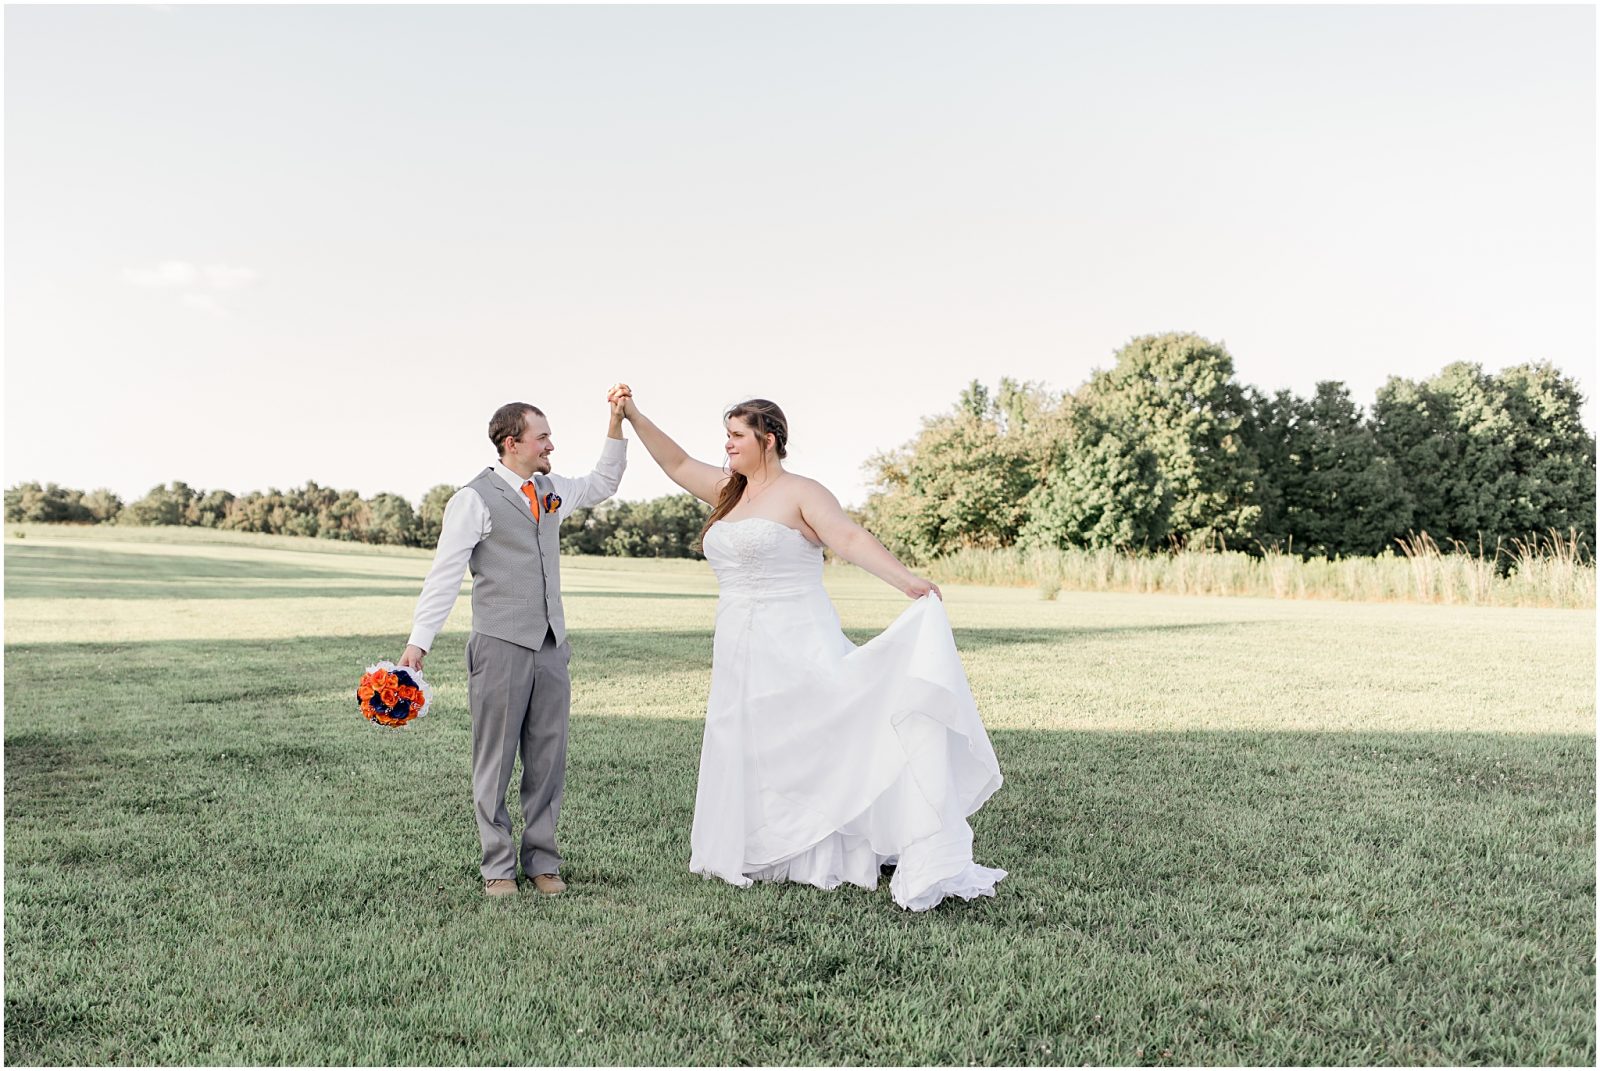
(549, 884)
(500, 887)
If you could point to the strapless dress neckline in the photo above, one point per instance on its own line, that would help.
(769, 520)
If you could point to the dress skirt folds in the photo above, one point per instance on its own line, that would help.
(822, 760)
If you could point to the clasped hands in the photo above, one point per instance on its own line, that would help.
(621, 398)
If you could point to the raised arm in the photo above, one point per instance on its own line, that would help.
(579, 491)
(701, 480)
(855, 544)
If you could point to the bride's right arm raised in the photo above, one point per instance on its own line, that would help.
(698, 478)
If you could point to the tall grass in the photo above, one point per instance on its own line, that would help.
(1553, 570)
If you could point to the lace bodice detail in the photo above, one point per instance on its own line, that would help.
(761, 557)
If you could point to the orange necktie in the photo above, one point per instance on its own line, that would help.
(531, 493)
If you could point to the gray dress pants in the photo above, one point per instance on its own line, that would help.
(520, 701)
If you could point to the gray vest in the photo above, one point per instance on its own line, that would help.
(516, 571)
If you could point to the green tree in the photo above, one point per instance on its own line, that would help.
(210, 509)
(249, 513)
(46, 504)
(163, 504)
(1103, 489)
(313, 510)
(964, 480)
(1553, 453)
(393, 521)
(1491, 457)
(665, 527)
(347, 517)
(430, 517)
(587, 529)
(272, 512)
(1158, 449)
(1333, 491)
(102, 505)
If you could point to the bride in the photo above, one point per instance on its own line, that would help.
(822, 761)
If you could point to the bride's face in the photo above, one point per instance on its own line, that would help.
(745, 451)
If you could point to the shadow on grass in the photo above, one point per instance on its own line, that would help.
(92, 573)
(200, 672)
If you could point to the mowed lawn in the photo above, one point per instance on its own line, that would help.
(1238, 831)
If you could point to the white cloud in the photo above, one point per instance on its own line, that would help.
(194, 282)
(166, 274)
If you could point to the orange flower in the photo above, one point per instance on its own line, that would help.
(389, 696)
(366, 691)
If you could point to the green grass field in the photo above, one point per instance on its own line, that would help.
(1238, 831)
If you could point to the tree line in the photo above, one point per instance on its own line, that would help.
(1166, 449)
(311, 510)
(665, 527)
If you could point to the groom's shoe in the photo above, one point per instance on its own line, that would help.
(500, 887)
(549, 884)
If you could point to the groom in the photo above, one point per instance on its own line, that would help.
(504, 526)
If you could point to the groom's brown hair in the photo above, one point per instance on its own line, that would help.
(509, 422)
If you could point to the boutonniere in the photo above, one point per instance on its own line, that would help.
(552, 502)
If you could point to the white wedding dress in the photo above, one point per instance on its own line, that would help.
(823, 761)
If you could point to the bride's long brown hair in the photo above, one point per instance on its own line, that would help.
(764, 417)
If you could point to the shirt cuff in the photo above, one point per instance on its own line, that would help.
(421, 639)
(614, 449)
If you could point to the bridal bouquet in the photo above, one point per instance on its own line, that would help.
(391, 696)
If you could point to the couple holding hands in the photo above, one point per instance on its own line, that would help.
(823, 762)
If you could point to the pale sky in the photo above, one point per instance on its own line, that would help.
(248, 247)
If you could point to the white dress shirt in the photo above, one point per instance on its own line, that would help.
(466, 524)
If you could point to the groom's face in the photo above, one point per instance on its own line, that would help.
(534, 446)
